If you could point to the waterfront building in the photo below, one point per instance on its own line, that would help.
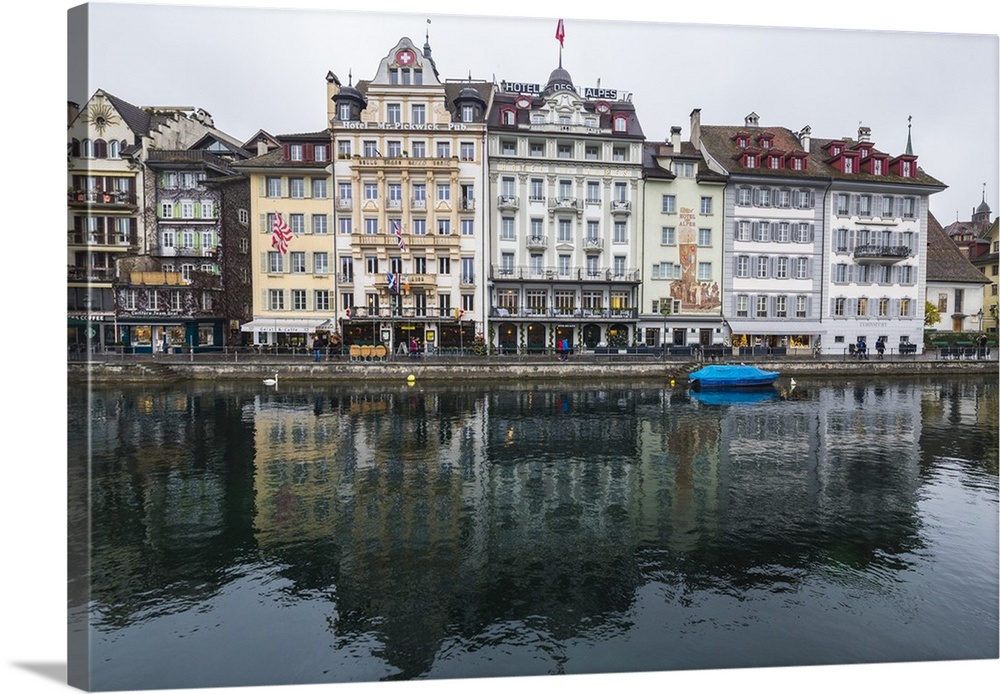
(172, 296)
(966, 233)
(772, 283)
(682, 241)
(876, 252)
(954, 285)
(985, 258)
(291, 191)
(826, 238)
(109, 141)
(407, 191)
(565, 172)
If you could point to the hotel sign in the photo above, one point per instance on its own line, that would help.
(359, 125)
(589, 93)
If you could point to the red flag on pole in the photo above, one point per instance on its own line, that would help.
(560, 32)
(280, 234)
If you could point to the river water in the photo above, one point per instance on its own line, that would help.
(248, 535)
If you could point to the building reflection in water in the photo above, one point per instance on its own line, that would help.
(433, 516)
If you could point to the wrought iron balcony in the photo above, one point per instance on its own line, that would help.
(536, 243)
(508, 202)
(593, 245)
(878, 252)
(621, 207)
(559, 204)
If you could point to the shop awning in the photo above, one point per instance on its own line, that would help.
(774, 327)
(282, 325)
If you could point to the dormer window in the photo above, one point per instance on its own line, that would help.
(468, 114)
(620, 124)
(507, 116)
(848, 165)
(774, 161)
(742, 141)
(344, 112)
(877, 167)
(750, 161)
(835, 150)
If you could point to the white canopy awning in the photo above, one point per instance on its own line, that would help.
(773, 327)
(282, 325)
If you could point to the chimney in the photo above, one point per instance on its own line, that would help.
(73, 110)
(261, 146)
(864, 133)
(804, 135)
(696, 128)
(675, 138)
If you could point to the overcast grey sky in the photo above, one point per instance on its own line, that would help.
(270, 74)
(253, 68)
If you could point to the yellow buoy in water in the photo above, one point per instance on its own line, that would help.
(410, 379)
(671, 383)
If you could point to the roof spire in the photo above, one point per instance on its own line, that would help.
(909, 141)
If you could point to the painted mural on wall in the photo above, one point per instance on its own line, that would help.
(695, 295)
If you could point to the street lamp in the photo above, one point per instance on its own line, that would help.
(979, 339)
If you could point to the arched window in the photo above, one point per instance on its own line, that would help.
(621, 124)
(114, 149)
(87, 148)
(100, 149)
(507, 116)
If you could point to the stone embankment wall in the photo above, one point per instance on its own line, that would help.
(147, 371)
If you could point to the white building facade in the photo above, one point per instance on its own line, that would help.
(565, 175)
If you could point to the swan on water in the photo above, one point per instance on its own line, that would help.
(271, 381)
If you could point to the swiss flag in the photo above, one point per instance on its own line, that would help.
(560, 32)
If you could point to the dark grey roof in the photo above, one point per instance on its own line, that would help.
(945, 260)
(138, 120)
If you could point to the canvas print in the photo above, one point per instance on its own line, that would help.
(407, 347)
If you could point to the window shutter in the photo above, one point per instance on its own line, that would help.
(307, 152)
(286, 152)
(263, 223)
(263, 262)
(851, 235)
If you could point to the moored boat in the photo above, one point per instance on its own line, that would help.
(731, 376)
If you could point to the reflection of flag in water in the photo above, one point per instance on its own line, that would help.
(280, 234)
(393, 280)
(397, 229)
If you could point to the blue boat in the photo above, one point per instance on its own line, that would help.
(731, 376)
(721, 397)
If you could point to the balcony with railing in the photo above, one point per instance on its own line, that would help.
(109, 241)
(621, 207)
(536, 243)
(526, 273)
(467, 205)
(561, 313)
(111, 199)
(593, 245)
(880, 253)
(508, 203)
(561, 204)
(344, 204)
(76, 273)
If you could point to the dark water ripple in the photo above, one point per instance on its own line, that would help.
(332, 535)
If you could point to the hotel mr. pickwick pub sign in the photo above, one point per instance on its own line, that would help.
(589, 93)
